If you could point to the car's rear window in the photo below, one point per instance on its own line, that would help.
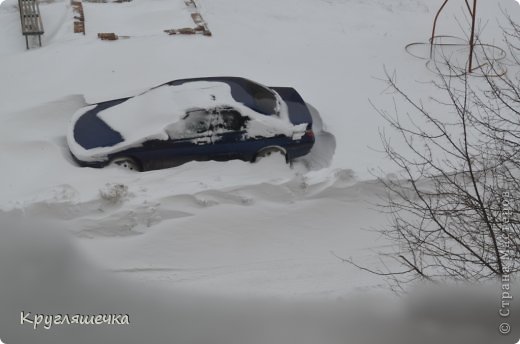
(255, 96)
(263, 100)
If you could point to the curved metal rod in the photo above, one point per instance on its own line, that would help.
(473, 13)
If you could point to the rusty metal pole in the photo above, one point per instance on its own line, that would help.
(473, 13)
(435, 26)
(472, 37)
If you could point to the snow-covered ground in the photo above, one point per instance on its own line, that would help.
(172, 225)
(225, 228)
(136, 18)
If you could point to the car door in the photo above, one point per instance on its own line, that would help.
(189, 139)
(228, 129)
(193, 139)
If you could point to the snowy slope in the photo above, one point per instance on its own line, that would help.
(234, 227)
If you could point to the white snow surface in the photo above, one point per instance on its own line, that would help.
(233, 228)
(138, 18)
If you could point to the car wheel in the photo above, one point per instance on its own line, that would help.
(126, 163)
(271, 151)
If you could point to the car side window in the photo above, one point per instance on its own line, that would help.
(197, 122)
(228, 119)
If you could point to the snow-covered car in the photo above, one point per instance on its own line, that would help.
(214, 118)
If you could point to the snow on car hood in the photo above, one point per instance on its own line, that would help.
(149, 115)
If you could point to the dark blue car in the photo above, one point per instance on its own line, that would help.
(214, 118)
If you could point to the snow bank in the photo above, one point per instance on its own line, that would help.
(43, 272)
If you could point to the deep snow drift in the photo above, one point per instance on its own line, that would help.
(172, 225)
(230, 228)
